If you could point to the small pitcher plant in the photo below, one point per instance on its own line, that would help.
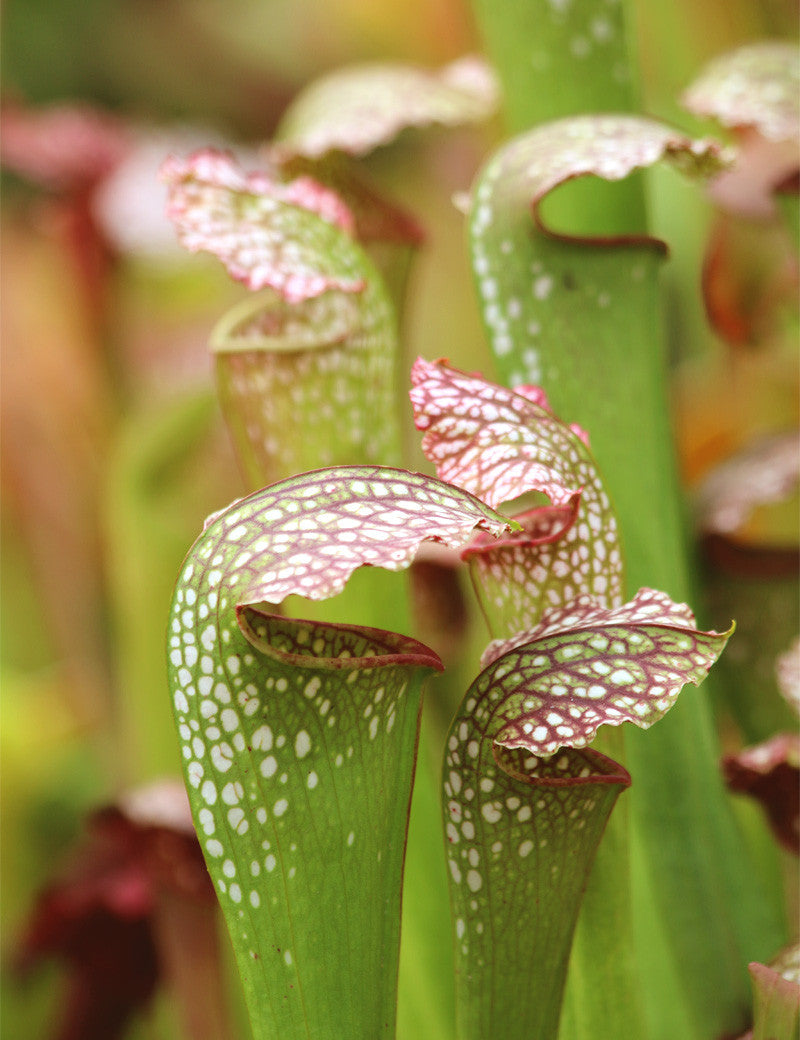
(442, 779)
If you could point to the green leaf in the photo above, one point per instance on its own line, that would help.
(304, 825)
(701, 907)
(357, 109)
(309, 384)
(525, 279)
(522, 832)
(299, 737)
(568, 310)
(583, 316)
(171, 464)
(755, 86)
(501, 444)
(556, 58)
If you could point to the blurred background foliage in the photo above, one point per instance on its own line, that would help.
(113, 451)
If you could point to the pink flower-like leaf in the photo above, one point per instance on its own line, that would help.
(306, 535)
(293, 237)
(764, 472)
(770, 773)
(764, 169)
(501, 444)
(357, 109)
(497, 443)
(755, 86)
(585, 666)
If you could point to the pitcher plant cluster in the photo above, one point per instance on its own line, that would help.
(299, 729)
